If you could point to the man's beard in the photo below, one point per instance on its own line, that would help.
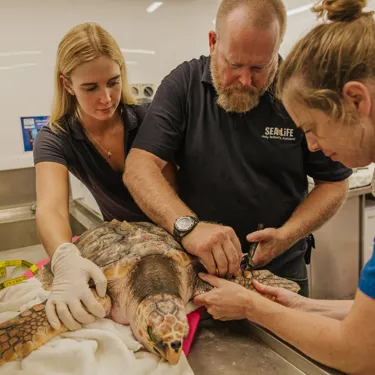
(237, 98)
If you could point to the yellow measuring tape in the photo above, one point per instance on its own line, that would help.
(15, 263)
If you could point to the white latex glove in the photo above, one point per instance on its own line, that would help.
(70, 289)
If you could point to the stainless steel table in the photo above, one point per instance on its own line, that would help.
(242, 348)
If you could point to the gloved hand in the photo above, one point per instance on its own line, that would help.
(70, 289)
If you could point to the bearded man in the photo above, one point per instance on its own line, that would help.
(242, 163)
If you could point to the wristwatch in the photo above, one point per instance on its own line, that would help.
(184, 225)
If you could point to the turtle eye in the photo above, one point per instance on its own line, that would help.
(159, 344)
(151, 335)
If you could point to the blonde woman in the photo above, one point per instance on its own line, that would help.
(93, 122)
(327, 84)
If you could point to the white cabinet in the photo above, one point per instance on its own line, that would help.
(334, 267)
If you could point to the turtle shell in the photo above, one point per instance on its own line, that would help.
(121, 243)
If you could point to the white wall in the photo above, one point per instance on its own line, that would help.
(177, 31)
(39, 25)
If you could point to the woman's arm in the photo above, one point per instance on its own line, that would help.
(336, 309)
(348, 345)
(71, 272)
(52, 215)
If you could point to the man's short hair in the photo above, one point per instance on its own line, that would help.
(260, 12)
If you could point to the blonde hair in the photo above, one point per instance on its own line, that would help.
(329, 56)
(83, 43)
(263, 12)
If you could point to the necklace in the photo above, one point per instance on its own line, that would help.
(108, 152)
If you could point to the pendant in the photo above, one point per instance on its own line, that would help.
(109, 153)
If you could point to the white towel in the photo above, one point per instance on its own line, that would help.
(103, 347)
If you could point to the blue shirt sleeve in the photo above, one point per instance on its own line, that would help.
(367, 280)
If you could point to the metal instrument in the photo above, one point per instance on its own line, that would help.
(247, 260)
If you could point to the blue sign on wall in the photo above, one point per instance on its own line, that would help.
(30, 128)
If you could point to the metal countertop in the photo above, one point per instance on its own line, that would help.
(242, 348)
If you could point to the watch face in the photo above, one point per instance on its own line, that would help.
(184, 223)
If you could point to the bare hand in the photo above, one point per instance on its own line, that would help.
(227, 301)
(217, 246)
(280, 295)
(271, 244)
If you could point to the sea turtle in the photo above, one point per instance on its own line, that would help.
(150, 281)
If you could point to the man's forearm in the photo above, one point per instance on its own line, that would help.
(152, 192)
(320, 205)
(330, 308)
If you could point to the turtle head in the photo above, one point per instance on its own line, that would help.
(162, 325)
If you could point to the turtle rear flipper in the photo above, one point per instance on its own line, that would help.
(245, 279)
(25, 333)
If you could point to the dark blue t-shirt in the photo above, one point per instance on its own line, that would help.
(75, 151)
(235, 169)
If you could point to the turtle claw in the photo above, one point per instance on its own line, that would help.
(247, 274)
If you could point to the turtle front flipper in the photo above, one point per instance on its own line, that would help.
(25, 333)
(28, 331)
(267, 278)
(245, 279)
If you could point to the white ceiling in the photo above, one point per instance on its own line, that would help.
(290, 4)
(203, 4)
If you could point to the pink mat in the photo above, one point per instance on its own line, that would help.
(193, 318)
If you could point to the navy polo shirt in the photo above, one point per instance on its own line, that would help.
(75, 151)
(235, 169)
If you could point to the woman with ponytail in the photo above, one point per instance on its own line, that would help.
(327, 85)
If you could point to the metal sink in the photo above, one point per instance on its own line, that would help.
(18, 225)
(19, 239)
(17, 228)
